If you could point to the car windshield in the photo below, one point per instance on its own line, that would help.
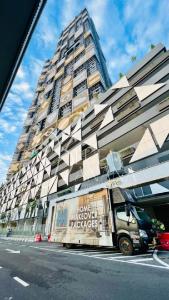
(143, 215)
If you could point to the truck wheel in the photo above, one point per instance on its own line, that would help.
(126, 246)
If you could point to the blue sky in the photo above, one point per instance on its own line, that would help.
(125, 28)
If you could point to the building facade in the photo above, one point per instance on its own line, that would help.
(67, 86)
(82, 139)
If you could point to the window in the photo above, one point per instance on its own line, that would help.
(88, 40)
(27, 129)
(79, 56)
(62, 53)
(20, 155)
(64, 41)
(95, 90)
(47, 95)
(92, 65)
(79, 88)
(72, 30)
(86, 25)
(35, 101)
(69, 69)
(56, 95)
(71, 41)
(31, 114)
(42, 124)
(69, 52)
(79, 70)
(121, 214)
(78, 24)
(65, 109)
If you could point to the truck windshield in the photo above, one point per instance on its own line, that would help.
(143, 215)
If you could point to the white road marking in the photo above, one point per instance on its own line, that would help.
(131, 256)
(142, 264)
(112, 258)
(141, 259)
(13, 251)
(0, 267)
(25, 284)
(107, 254)
(155, 256)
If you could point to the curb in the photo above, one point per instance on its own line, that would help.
(155, 256)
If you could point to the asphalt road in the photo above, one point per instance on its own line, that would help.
(48, 271)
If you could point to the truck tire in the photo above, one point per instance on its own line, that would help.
(125, 245)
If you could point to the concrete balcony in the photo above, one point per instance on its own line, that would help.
(80, 62)
(55, 58)
(80, 99)
(52, 73)
(51, 118)
(23, 138)
(81, 77)
(66, 97)
(79, 50)
(79, 32)
(42, 114)
(48, 88)
(59, 74)
(60, 63)
(94, 78)
(28, 122)
(90, 51)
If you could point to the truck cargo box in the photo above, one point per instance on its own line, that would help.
(85, 219)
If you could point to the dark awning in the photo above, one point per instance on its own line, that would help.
(17, 21)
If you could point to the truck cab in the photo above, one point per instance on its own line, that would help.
(133, 227)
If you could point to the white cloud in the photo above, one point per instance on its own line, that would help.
(20, 74)
(6, 126)
(97, 9)
(47, 32)
(22, 89)
(70, 7)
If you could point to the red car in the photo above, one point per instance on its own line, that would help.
(163, 241)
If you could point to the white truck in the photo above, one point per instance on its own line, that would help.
(104, 217)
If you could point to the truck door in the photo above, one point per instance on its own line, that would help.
(124, 224)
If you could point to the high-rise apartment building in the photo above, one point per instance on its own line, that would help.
(77, 139)
(69, 83)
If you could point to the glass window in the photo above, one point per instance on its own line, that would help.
(71, 41)
(72, 30)
(79, 70)
(92, 65)
(42, 124)
(79, 56)
(143, 215)
(69, 69)
(86, 25)
(95, 90)
(80, 88)
(78, 24)
(88, 40)
(121, 214)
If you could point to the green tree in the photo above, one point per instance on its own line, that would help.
(152, 46)
(133, 58)
(121, 75)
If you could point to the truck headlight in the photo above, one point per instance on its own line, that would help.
(143, 233)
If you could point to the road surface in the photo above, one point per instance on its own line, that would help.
(49, 272)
